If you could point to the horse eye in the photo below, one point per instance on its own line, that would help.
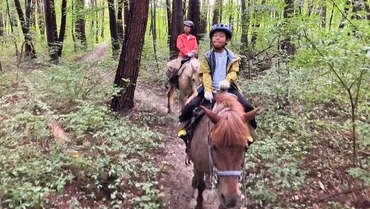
(214, 148)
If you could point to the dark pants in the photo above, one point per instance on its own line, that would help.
(187, 112)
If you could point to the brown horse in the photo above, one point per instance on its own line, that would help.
(218, 147)
(188, 83)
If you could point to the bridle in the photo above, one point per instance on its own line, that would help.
(215, 173)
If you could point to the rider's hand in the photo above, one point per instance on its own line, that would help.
(190, 54)
(224, 85)
(208, 96)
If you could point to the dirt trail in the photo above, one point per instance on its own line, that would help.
(176, 182)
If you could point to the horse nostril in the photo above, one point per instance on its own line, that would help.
(231, 203)
(223, 199)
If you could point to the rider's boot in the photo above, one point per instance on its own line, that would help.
(181, 131)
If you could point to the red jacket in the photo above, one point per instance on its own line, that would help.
(185, 46)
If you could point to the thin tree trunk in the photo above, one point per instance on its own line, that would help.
(154, 30)
(11, 27)
(96, 22)
(323, 17)
(80, 23)
(256, 25)
(128, 68)
(1, 24)
(113, 28)
(176, 26)
(169, 20)
(217, 12)
(194, 15)
(245, 26)
(331, 16)
(29, 48)
(51, 30)
(203, 19)
(63, 23)
(120, 21)
(184, 3)
(41, 20)
(286, 43)
(102, 20)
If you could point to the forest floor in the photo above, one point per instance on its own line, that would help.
(322, 186)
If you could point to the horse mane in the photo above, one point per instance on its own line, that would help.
(231, 129)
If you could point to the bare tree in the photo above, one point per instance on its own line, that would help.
(128, 68)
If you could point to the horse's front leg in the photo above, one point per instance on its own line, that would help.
(170, 95)
(198, 182)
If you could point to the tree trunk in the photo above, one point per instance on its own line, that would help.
(176, 26)
(29, 48)
(41, 18)
(184, 9)
(255, 26)
(323, 17)
(367, 8)
(120, 21)
(128, 68)
(245, 26)
(1, 24)
(113, 28)
(62, 30)
(11, 27)
(217, 12)
(203, 20)
(194, 15)
(153, 26)
(51, 30)
(286, 44)
(169, 20)
(80, 23)
(127, 10)
(102, 20)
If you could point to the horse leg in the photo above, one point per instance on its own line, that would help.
(170, 95)
(198, 182)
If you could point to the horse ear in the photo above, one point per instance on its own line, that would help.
(251, 115)
(211, 115)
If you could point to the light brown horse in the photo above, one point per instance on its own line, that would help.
(188, 83)
(218, 147)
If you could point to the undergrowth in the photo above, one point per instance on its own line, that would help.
(58, 135)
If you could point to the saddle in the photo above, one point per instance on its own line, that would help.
(174, 74)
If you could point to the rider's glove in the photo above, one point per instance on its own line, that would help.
(223, 85)
(190, 54)
(208, 96)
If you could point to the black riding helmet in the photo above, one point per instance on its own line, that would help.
(221, 27)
